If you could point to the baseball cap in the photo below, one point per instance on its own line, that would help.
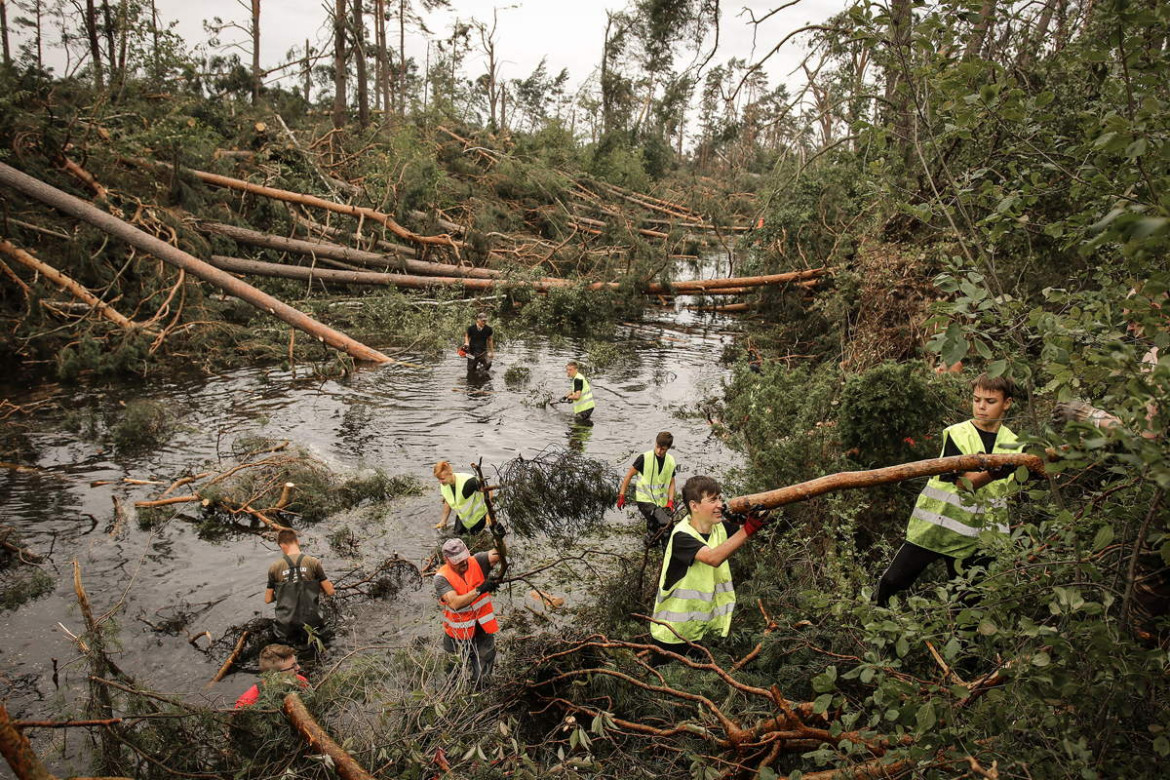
(454, 550)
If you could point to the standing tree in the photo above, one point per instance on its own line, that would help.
(4, 33)
(358, 39)
(95, 49)
(339, 109)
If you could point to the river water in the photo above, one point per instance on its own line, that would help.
(396, 418)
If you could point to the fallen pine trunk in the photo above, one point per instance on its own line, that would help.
(39, 190)
(320, 741)
(702, 285)
(851, 480)
(338, 252)
(328, 205)
(68, 285)
(726, 308)
(261, 268)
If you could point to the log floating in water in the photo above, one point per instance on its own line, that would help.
(851, 480)
(34, 188)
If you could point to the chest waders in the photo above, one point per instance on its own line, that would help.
(296, 602)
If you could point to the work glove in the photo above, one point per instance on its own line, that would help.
(1072, 411)
(490, 585)
(621, 500)
(670, 505)
(1001, 472)
(757, 517)
(499, 529)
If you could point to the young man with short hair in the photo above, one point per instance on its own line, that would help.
(280, 659)
(654, 490)
(953, 509)
(695, 594)
(464, 591)
(580, 392)
(462, 493)
(295, 583)
(478, 344)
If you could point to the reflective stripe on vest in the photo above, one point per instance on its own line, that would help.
(469, 510)
(653, 485)
(460, 623)
(947, 519)
(702, 601)
(585, 402)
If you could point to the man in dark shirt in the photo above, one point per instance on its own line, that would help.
(295, 584)
(478, 344)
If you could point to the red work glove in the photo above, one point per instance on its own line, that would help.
(758, 517)
(670, 505)
(621, 500)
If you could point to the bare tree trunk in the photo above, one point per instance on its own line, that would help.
(111, 53)
(257, 77)
(339, 64)
(898, 94)
(381, 66)
(95, 48)
(76, 207)
(400, 89)
(154, 39)
(359, 59)
(4, 33)
(124, 40)
(308, 70)
(347, 768)
(851, 480)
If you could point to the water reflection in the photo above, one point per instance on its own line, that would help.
(580, 432)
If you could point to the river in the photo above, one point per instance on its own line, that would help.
(396, 418)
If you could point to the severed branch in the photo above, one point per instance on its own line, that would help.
(231, 659)
(347, 768)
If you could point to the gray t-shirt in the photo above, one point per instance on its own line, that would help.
(443, 586)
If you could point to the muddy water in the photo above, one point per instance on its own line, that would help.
(394, 418)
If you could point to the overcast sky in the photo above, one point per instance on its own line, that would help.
(569, 33)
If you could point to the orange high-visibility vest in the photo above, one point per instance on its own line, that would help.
(460, 623)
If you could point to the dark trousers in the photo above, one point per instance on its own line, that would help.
(477, 655)
(657, 519)
(583, 417)
(692, 651)
(909, 564)
(478, 362)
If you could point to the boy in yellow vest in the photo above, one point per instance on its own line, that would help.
(655, 486)
(695, 594)
(953, 509)
(580, 393)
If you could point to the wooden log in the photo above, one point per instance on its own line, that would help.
(76, 207)
(726, 308)
(312, 200)
(338, 252)
(24, 554)
(167, 501)
(231, 659)
(260, 268)
(851, 480)
(17, 751)
(347, 768)
(68, 285)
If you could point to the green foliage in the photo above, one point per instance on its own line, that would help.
(887, 415)
(22, 584)
(143, 425)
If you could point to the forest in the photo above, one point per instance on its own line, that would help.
(938, 191)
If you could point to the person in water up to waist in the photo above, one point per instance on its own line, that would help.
(954, 509)
(580, 392)
(695, 593)
(478, 344)
(654, 490)
(464, 591)
(295, 584)
(462, 493)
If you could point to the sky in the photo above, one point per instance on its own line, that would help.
(569, 33)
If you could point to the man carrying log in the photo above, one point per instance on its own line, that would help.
(275, 661)
(464, 591)
(953, 509)
(654, 490)
(462, 493)
(580, 393)
(478, 346)
(695, 594)
(295, 583)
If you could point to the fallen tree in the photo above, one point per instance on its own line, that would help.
(39, 190)
(851, 480)
(347, 768)
(338, 252)
(260, 268)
